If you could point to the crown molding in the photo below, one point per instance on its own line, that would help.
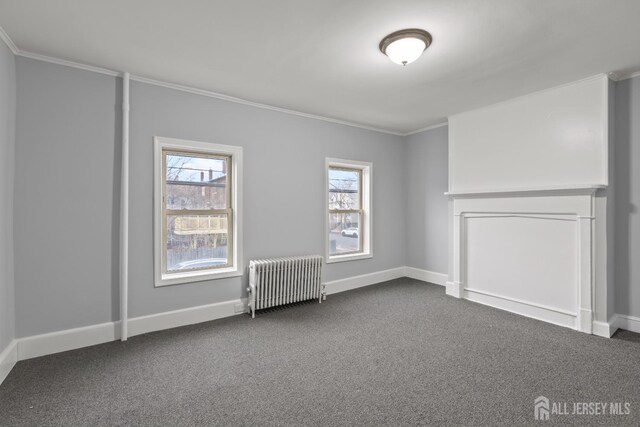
(437, 125)
(613, 76)
(223, 97)
(196, 91)
(7, 40)
(45, 58)
(67, 63)
(53, 60)
(617, 77)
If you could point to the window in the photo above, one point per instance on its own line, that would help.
(348, 214)
(197, 220)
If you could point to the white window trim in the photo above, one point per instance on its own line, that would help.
(166, 279)
(367, 216)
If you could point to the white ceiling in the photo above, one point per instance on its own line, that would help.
(321, 56)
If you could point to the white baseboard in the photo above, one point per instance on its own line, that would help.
(522, 308)
(354, 282)
(550, 315)
(8, 359)
(454, 289)
(69, 339)
(185, 316)
(426, 275)
(605, 329)
(630, 323)
(55, 342)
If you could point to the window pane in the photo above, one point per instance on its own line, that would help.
(195, 182)
(344, 233)
(196, 242)
(344, 186)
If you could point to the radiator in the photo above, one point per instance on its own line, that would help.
(280, 281)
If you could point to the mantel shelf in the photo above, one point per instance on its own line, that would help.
(533, 191)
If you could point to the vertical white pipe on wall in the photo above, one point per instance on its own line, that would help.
(124, 212)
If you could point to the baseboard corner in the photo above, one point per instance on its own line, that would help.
(8, 359)
(65, 340)
(629, 323)
(605, 329)
(425, 275)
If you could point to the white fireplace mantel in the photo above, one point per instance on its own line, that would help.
(528, 191)
(528, 250)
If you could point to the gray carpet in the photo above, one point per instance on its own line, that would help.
(399, 353)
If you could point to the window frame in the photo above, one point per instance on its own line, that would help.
(365, 212)
(233, 210)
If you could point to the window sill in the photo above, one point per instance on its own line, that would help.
(200, 276)
(349, 257)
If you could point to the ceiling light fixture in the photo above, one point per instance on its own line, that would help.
(405, 46)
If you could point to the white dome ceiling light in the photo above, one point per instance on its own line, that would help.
(405, 46)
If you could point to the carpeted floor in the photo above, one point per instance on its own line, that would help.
(398, 353)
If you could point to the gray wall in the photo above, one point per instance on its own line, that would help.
(65, 198)
(627, 196)
(426, 163)
(7, 147)
(67, 150)
(67, 192)
(283, 188)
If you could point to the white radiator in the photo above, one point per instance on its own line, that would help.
(281, 281)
